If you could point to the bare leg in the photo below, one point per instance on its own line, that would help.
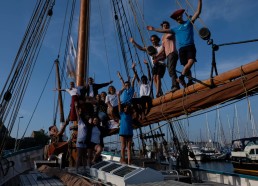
(155, 82)
(129, 146)
(79, 158)
(98, 150)
(122, 139)
(158, 86)
(188, 66)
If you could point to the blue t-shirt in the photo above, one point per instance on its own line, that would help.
(126, 124)
(128, 95)
(184, 34)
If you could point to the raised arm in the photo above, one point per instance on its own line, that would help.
(99, 86)
(135, 72)
(134, 77)
(119, 100)
(160, 30)
(57, 89)
(137, 45)
(198, 11)
(121, 79)
(148, 68)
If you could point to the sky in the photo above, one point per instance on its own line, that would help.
(228, 21)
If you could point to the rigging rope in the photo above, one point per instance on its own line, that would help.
(35, 108)
(26, 58)
(124, 33)
(118, 53)
(107, 61)
(56, 106)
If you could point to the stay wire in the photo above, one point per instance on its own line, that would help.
(104, 38)
(191, 6)
(5, 106)
(44, 30)
(32, 40)
(62, 32)
(36, 9)
(29, 47)
(38, 101)
(70, 24)
(55, 107)
(115, 36)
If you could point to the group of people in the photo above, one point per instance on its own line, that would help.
(183, 35)
(92, 110)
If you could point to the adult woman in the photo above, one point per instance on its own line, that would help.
(112, 102)
(126, 130)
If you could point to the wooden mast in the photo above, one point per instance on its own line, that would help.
(82, 64)
(60, 100)
(83, 43)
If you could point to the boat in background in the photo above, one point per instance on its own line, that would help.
(244, 155)
(199, 155)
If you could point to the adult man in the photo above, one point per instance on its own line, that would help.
(168, 43)
(185, 40)
(92, 88)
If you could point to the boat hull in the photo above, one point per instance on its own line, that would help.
(245, 168)
(22, 160)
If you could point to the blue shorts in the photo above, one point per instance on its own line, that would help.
(187, 52)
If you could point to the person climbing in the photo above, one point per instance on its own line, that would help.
(185, 40)
(159, 67)
(145, 91)
(56, 135)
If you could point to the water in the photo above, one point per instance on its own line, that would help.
(216, 166)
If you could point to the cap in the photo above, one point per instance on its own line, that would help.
(177, 13)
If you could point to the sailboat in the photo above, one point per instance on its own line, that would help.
(230, 85)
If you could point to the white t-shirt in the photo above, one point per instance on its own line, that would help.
(112, 98)
(145, 89)
(74, 91)
(91, 93)
(158, 49)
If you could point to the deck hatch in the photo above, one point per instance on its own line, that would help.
(123, 171)
(100, 164)
(111, 167)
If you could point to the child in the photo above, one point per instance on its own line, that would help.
(145, 91)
